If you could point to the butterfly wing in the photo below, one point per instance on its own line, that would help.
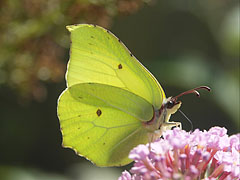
(98, 56)
(103, 123)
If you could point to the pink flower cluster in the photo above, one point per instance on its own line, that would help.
(182, 155)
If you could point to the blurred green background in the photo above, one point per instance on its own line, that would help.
(183, 43)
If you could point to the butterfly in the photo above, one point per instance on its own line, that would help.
(112, 102)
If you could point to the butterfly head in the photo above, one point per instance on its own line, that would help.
(172, 104)
(160, 121)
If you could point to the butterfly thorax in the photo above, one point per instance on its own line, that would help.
(160, 121)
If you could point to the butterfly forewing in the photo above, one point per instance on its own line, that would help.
(98, 56)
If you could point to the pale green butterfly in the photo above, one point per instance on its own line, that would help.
(112, 102)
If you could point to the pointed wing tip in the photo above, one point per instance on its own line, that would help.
(72, 27)
(76, 26)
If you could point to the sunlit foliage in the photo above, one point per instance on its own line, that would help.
(33, 38)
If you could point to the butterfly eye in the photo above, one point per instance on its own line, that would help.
(170, 104)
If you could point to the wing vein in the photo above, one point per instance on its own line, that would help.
(124, 139)
(115, 107)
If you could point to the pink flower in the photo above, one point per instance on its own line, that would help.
(179, 154)
(125, 176)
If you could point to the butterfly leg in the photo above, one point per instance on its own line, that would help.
(150, 140)
(170, 125)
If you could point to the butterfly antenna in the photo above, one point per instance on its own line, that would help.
(193, 91)
(187, 119)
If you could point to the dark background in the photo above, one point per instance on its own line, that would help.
(184, 43)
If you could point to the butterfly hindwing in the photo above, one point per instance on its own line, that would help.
(99, 127)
